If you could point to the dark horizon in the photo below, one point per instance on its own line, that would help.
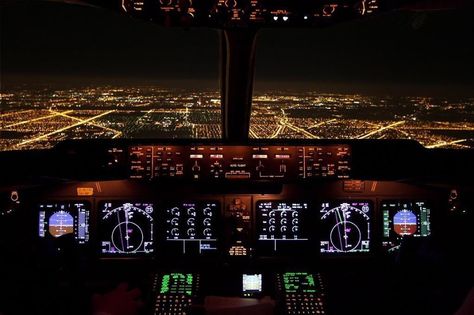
(31, 82)
(400, 52)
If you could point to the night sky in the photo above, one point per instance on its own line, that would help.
(53, 42)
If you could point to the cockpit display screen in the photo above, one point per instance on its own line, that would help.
(251, 284)
(281, 226)
(57, 219)
(126, 228)
(191, 227)
(298, 283)
(402, 219)
(345, 226)
(178, 284)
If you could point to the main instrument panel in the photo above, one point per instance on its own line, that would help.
(180, 223)
(205, 225)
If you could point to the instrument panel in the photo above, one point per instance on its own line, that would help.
(232, 227)
(243, 225)
(230, 163)
(241, 13)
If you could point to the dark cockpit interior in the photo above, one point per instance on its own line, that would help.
(240, 224)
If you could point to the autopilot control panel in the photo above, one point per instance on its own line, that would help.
(240, 162)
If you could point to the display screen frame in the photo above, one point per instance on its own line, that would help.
(193, 285)
(371, 229)
(100, 230)
(247, 279)
(315, 289)
(42, 210)
(391, 241)
(168, 248)
(310, 225)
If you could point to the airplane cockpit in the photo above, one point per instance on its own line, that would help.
(268, 217)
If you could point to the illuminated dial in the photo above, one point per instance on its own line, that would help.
(128, 228)
(175, 222)
(207, 232)
(191, 232)
(175, 232)
(207, 222)
(191, 212)
(345, 227)
(207, 212)
(175, 212)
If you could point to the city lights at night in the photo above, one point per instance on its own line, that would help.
(38, 119)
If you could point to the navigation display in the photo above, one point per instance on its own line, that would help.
(403, 219)
(281, 226)
(57, 219)
(126, 228)
(191, 227)
(345, 226)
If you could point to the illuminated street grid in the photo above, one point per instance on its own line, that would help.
(36, 119)
(434, 122)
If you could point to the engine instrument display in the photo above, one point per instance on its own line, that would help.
(345, 226)
(191, 227)
(126, 228)
(62, 218)
(404, 219)
(280, 226)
